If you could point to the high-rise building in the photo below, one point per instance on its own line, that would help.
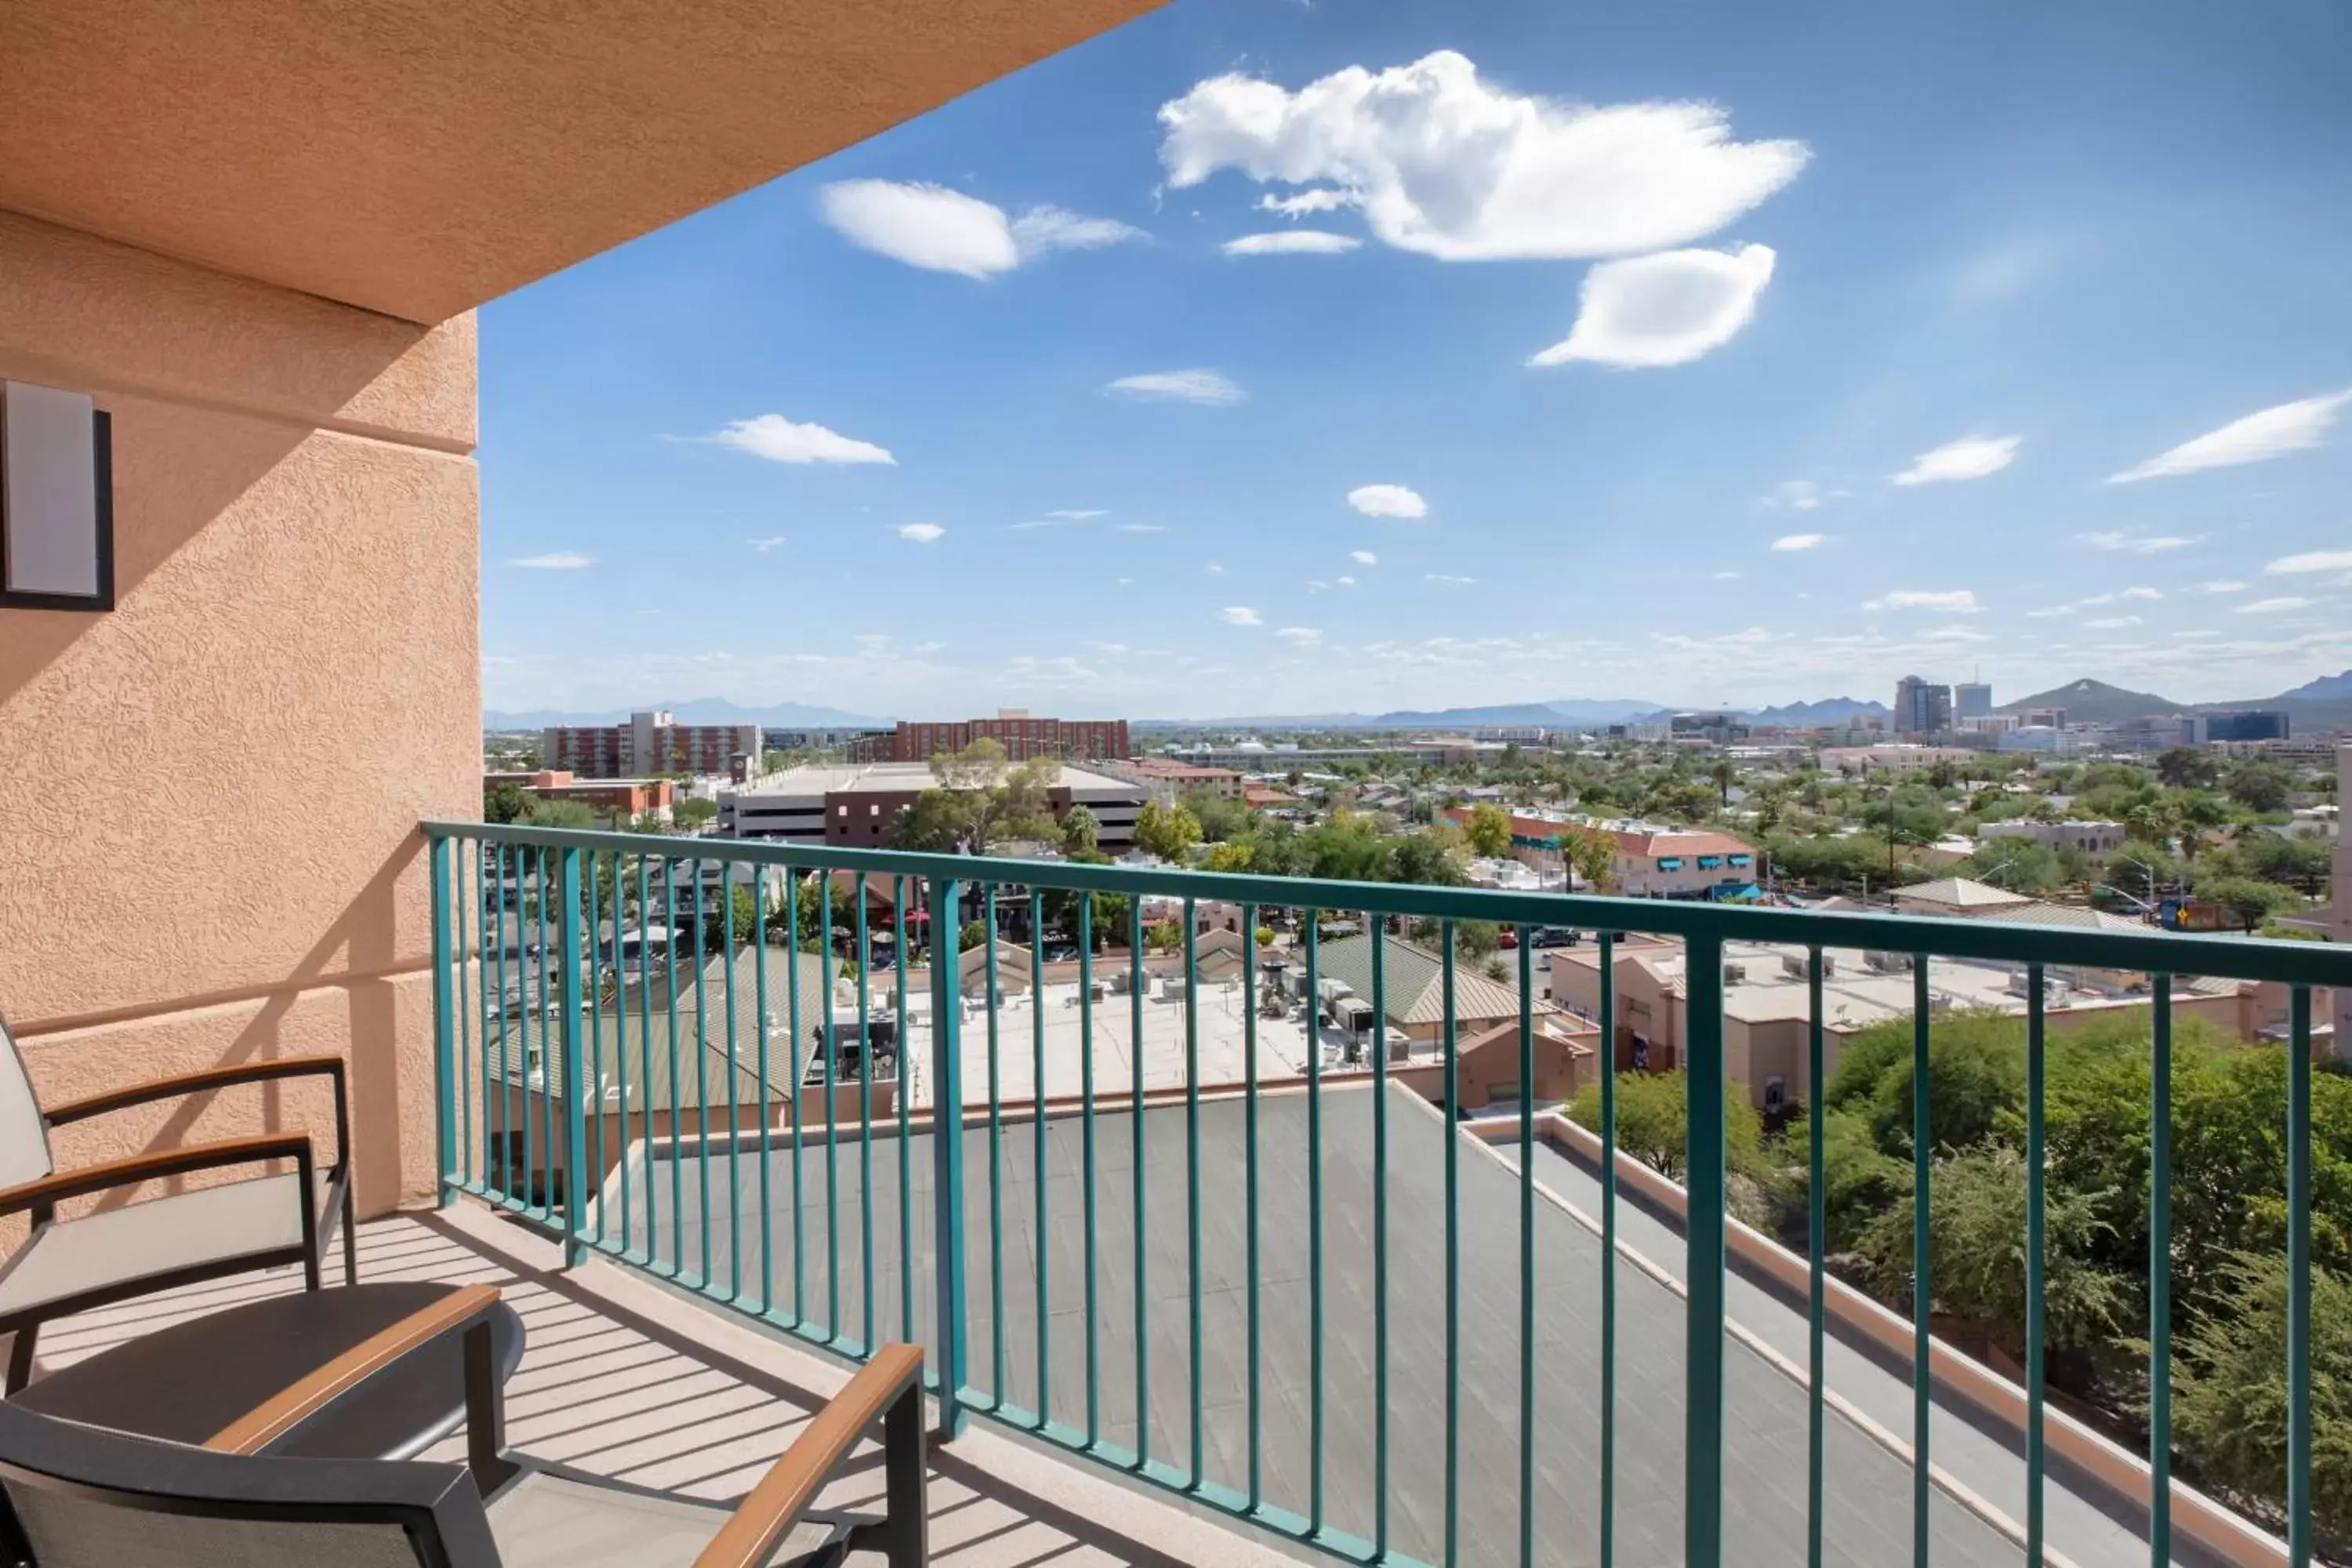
(1922, 707)
(1971, 699)
(652, 741)
(2251, 724)
(1021, 736)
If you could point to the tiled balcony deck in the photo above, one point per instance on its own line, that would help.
(624, 1378)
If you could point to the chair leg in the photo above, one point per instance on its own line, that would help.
(350, 1236)
(20, 1357)
(907, 1537)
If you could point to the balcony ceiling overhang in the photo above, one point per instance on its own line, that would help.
(417, 157)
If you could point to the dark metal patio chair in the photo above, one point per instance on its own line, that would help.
(67, 1266)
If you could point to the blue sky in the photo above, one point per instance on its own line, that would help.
(1699, 353)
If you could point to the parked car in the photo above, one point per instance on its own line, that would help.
(1554, 936)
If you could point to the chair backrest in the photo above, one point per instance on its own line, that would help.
(24, 1136)
(86, 1497)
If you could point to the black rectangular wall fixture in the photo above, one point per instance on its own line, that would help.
(57, 500)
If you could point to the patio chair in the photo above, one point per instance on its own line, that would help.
(85, 1495)
(67, 1266)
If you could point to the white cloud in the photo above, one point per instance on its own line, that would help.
(1727, 577)
(2270, 433)
(1663, 310)
(2138, 543)
(1345, 581)
(1959, 601)
(1322, 200)
(1447, 578)
(1188, 385)
(1300, 637)
(2273, 606)
(1955, 634)
(778, 439)
(1443, 165)
(1239, 616)
(2141, 593)
(1800, 541)
(554, 561)
(1073, 514)
(2225, 586)
(1970, 458)
(1388, 500)
(1047, 229)
(921, 532)
(1291, 242)
(2312, 561)
(942, 231)
(1214, 569)
(2111, 623)
(1141, 528)
(1799, 494)
(1363, 558)
(764, 546)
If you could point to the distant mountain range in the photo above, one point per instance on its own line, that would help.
(701, 710)
(2319, 705)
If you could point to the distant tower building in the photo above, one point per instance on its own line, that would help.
(1922, 707)
(1971, 699)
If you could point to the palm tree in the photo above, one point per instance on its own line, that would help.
(1723, 773)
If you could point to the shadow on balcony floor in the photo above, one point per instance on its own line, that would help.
(625, 1379)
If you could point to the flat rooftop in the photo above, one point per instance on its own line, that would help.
(757, 1208)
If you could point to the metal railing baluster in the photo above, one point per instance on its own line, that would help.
(1816, 1242)
(864, 1117)
(2298, 1278)
(1087, 1154)
(1923, 1367)
(2159, 1271)
(1705, 1181)
(1038, 1153)
(2037, 1263)
(1192, 1177)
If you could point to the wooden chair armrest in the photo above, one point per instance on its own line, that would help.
(49, 1191)
(792, 1482)
(197, 1083)
(274, 1417)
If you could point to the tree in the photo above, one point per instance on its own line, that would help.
(2230, 1392)
(1653, 1120)
(940, 821)
(1169, 832)
(1723, 774)
(1591, 854)
(1976, 1249)
(2018, 865)
(818, 897)
(2187, 767)
(572, 814)
(735, 915)
(1425, 857)
(1220, 818)
(505, 803)
(2260, 785)
(2249, 900)
(978, 767)
(1233, 855)
(1489, 828)
(1080, 829)
(693, 811)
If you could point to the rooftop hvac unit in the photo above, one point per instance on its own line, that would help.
(1793, 965)
(1888, 962)
(1735, 974)
(2020, 984)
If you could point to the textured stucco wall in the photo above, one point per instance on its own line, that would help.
(211, 852)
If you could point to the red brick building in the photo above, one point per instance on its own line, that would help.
(1021, 736)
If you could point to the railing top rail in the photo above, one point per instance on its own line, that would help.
(2282, 962)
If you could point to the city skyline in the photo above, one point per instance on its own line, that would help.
(1217, 366)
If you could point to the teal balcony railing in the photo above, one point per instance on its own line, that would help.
(1142, 1202)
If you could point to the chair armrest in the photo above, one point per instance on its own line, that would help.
(792, 1482)
(50, 1191)
(274, 1417)
(197, 1083)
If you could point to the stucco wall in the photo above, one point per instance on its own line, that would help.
(211, 854)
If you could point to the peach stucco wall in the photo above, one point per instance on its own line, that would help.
(211, 851)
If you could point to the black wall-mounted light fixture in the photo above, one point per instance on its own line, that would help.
(57, 500)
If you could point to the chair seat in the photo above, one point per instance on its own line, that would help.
(162, 1236)
(545, 1518)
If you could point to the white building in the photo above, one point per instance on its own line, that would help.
(2097, 837)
